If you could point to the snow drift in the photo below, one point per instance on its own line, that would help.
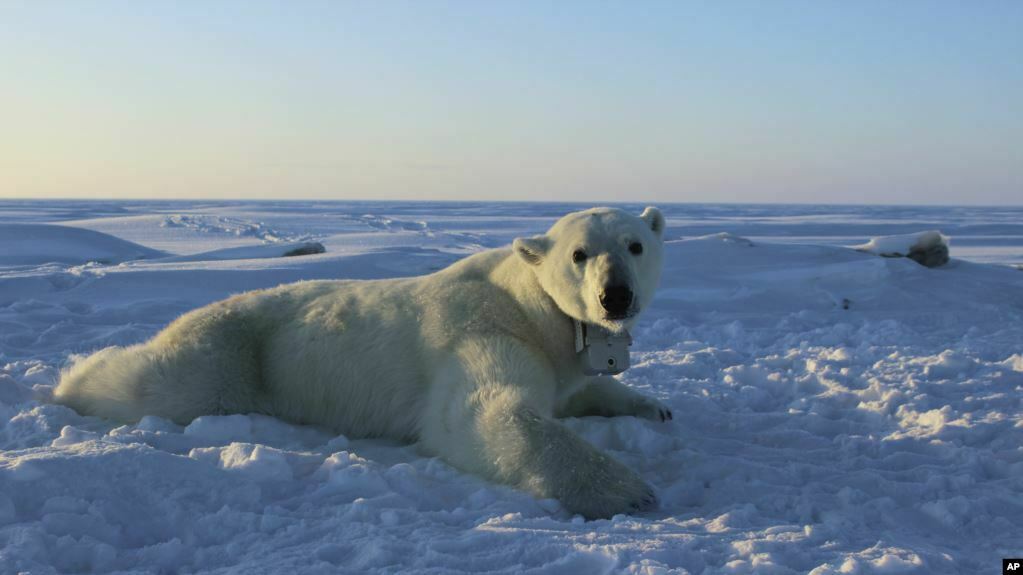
(928, 249)
(34, 244)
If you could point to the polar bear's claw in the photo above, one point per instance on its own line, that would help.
(613, 490)
(648, 502)
(653, 410)
(651, 498)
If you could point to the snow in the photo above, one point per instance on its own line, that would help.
(835, 411)
(902, 245)
(34, 244)
(270, 250)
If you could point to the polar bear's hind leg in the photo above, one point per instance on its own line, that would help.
(202, 364)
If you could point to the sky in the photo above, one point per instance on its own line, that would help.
(905, 102)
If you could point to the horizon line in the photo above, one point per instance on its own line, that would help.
(565, 202)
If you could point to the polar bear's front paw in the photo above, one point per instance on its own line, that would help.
(612, 490)
(652, 409)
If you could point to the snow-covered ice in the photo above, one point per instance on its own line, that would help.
(928, 248)
(902, 245)
(836, 412)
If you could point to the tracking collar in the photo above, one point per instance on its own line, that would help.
(603, 352)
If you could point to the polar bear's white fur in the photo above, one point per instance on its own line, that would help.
(473, 362)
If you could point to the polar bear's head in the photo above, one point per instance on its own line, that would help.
(600, 266)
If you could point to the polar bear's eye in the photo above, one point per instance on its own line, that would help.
(578, 256)
(636, 248)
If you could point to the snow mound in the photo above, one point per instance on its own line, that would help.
(36, 244)
(929, 248)
(725, 238)
(275, 250)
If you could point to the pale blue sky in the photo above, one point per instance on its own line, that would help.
(817, 101)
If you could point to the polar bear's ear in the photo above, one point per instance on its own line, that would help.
(653, 217)
(532, 250)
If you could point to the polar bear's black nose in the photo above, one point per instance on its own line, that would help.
(616, 300)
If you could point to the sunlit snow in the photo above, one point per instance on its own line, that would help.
(835, 411)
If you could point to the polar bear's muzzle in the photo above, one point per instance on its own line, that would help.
(617, 301)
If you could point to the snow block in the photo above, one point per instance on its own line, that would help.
(929, 249)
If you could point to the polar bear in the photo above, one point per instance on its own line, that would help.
(473, 362)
